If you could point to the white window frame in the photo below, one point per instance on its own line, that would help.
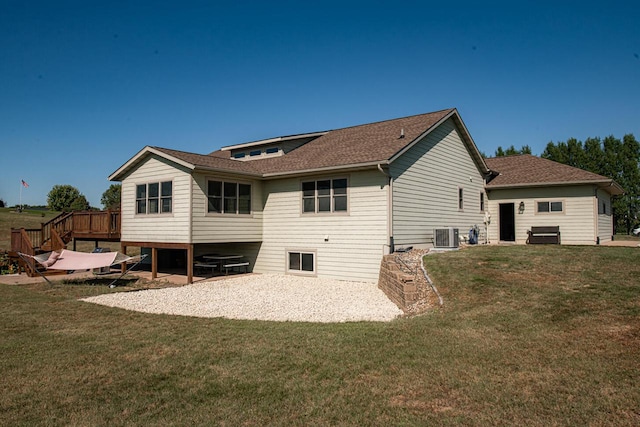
(223, 198)
(482, 201)
(160, 199)
(461, 199)
(331, 196)
(300, 271)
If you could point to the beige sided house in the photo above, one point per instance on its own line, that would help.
(327, 204)
(530, 191)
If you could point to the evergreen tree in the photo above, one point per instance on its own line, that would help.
(613, 158)
(511, 151)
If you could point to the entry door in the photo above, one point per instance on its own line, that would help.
(507, 222)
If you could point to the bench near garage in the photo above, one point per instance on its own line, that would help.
(548, 235)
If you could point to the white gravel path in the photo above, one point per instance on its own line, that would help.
(263, 297)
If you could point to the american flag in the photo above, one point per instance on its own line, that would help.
(24, 184)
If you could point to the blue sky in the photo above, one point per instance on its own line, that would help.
(84, 85)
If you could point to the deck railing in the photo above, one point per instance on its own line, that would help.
(96, 223)
(83, 225)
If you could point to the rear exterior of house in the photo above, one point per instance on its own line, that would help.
(327, 204)
(332, 203)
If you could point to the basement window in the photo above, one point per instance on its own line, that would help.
(301, 262)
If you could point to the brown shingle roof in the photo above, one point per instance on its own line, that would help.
(369, 143)
(206, 161)
(355, 146)
(527, 170)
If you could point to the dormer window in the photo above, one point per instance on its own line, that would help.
(257, 153)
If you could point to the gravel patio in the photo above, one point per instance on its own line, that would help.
(263, 297)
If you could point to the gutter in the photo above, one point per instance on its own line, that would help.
(354, 166)
(606, 183)
(389, 209)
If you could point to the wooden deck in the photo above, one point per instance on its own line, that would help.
(98, 226)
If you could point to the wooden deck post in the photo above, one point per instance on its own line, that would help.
(190, 264)
(154, 263)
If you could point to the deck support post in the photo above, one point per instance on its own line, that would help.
(190, 264)
(154, 263)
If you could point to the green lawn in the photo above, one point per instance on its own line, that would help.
(535, 336)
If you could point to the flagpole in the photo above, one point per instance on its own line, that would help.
(20, 205)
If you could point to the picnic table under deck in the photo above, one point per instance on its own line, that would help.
(228, 262)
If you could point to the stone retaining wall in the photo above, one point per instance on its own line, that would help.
(403, 282)
(400, 287)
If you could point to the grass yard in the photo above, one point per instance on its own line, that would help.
(529, 335)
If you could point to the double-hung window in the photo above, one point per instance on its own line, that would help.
(154, 197)
(326, 195)
(228, 197)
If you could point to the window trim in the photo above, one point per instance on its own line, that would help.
(331, 196)
(550, 203)
(482, 201)
(223, 198)
(461, 199)
(302, 252)
(159, 198)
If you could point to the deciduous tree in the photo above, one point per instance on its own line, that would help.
(111, 197)
(65, 198)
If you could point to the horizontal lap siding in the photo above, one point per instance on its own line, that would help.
(425, 188)
(577, 222)
(171, 228)
(356, 241)
(211, 228)
(605, 220)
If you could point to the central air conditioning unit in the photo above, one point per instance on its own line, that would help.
(446, 237)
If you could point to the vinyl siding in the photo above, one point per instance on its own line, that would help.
(577, 221)
(221, 228)
(425, 188)
(172, 227)
(605, 219)
(356, 239)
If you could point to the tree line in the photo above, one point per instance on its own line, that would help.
(615, 158)
(67, 198)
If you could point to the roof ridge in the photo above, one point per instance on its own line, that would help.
(397, 118)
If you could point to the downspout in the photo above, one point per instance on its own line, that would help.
(389, 209)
